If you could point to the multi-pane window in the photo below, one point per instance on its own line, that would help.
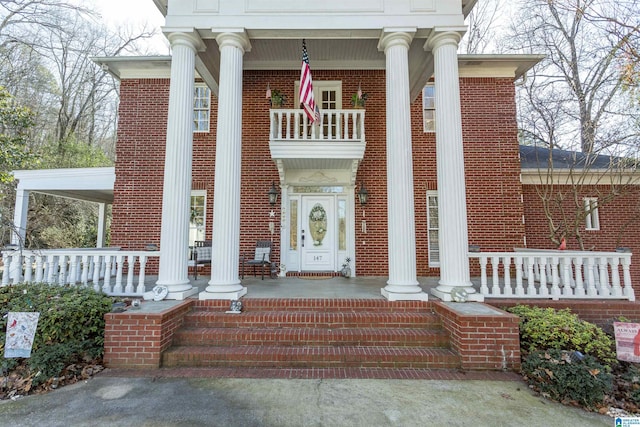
(429, 108)
(433, 229)
(592, 218)
(197, 219)
(201, 108)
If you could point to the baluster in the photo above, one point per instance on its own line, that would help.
(346, 126)
(85, 270)
(39, 268)
(51, 267)
(628, 290)
(616, 290)
(605, 289)
(62, 262)
(73, 269)
(117, 289)
(484, 289)
(542, 277)
(28, 268)
(565, 264)
(288, 118)
(279, 118)
(15, 269)
(507, 275)
(531, 280)
(362, 126)
(354, 124)
(320, 126)
(555, 278)
(577, 265)
(141, 275)
(338, 125)
(518, 264)
(591, 279)
(106, 284)
(129, 287)
(313, 127)
(96, 262)
(6, 259)
(495, 279)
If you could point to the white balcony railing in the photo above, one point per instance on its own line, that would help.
(555, 274)
(339, 125)
(113, 272)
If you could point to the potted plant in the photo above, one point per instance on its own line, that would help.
(358, 99)
(278, 99)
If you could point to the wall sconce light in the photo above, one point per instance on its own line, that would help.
(273, 194)
(363, 195)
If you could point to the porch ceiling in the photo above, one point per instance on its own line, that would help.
(89, 184)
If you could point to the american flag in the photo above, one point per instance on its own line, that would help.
(306, 88)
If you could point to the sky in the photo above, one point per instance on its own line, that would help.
(133, 13)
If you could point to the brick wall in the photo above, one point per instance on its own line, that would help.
(137, 339)
(483, 341)
(491, 164)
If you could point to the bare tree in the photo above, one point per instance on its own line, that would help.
(483, 28)
(580, 78)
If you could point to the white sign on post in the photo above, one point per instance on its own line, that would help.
(627, 341)
(21, 330)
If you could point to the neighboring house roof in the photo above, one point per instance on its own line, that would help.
(534, 157)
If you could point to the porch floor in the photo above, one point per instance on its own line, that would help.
(298, 287)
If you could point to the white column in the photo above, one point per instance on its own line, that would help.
(225, 282)
(452, 205)
(102, 225)
(174, 237)
(21, 209)
(402, 283)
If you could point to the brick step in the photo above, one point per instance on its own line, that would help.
(386, 337)
(310, 357)
(317, 305)
(296, 319)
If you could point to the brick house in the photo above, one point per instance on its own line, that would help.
(200, 147)
(435, 147)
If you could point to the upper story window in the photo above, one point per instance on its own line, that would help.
(592, 218)
(429, 107)
(201, 108)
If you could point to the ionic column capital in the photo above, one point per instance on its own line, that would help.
(187, 37)
(233, 38)
(395, 37)
(444, 36)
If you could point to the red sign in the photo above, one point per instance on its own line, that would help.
(627, 341)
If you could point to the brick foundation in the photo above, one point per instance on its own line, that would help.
(483, 341)
(137, 339)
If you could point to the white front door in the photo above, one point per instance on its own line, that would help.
(318, 233)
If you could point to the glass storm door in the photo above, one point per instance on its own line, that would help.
(318, 233)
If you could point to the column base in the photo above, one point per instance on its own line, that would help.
(181, 295)
(457, 294)
(228, 295)
(398, 296)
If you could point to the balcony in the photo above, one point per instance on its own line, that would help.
(337, 141)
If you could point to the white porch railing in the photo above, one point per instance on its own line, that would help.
(342, 125)
(108, 270)
(555, 274)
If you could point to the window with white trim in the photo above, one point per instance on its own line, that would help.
(201, 108)
(433, 229)
(592, 218)
(197, 218)
(429, 107)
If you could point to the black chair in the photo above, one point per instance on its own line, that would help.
(260, 258)
(200, 255)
